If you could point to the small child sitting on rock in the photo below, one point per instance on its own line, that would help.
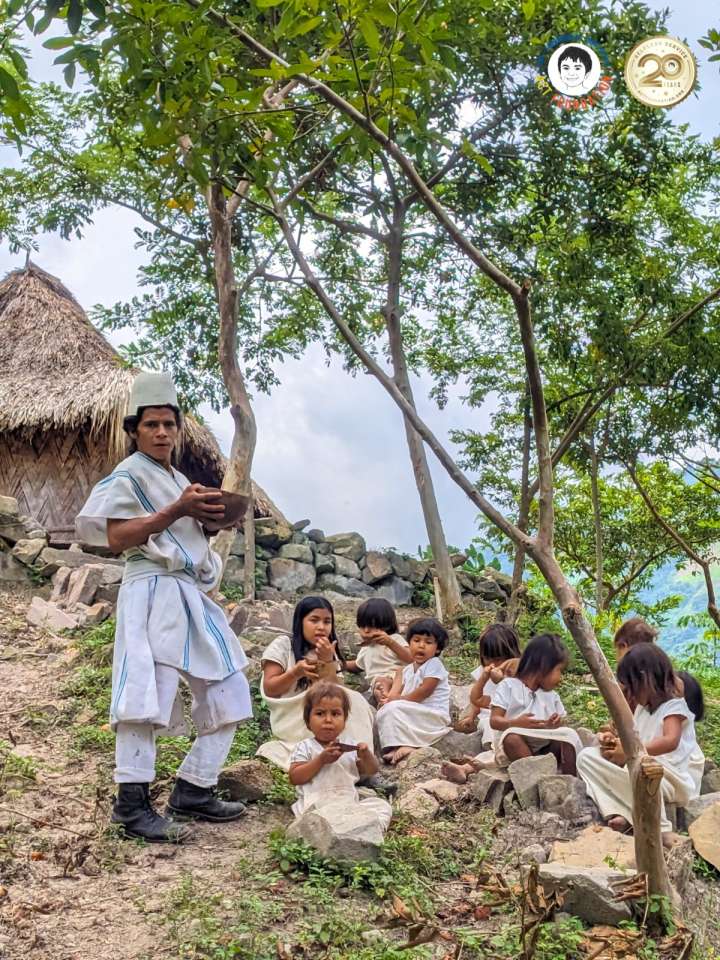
(382, 648)
(666, 727)
(499, 656)
(324, 770)
(416, 712)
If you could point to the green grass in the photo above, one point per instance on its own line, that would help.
(16, 773)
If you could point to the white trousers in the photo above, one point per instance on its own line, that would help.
(135, 742)
(609, 787)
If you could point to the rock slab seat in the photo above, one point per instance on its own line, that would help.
(525, 775)
(587, 890)
(340, 831)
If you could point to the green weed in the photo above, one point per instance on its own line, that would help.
(16, 772)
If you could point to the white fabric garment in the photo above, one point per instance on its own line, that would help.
(163, 613)
(403, 723)
(609, 785)
(376, 660)
(286, 712)
(516, 699)
(489, 689)
(332, 790)
(216, 709)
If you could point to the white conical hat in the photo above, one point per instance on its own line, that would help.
(152, 390)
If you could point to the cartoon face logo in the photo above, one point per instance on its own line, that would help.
(574, 69)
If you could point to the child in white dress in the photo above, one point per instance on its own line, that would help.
(416, 712)
(499, 656)
(666, 727)
(382, 648)
(325, 770)
(525, 712)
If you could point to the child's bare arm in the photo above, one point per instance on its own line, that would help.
(500, 721)
(352, 666)
(397, 685)
(668, 739)
(305, 770)
(401, 650)
(422, 692)
(367, 763)
(477, 698)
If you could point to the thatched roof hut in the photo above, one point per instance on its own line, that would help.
(63, 395)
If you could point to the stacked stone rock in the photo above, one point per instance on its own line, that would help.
(291, 561)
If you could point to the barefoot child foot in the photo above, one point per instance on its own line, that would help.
(457, 772)
(401, 754)
(618, 823)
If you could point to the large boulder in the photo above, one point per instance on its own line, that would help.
(14, 526)
(490, 787)
(489, 589)
(407, 568)
(526, 774)
(296, 551)
(455, 744)
(289, 576)
(503, 580)
(247, 780)
(27, 551)
(341, 831)
(418, 804)
(350, 545)
(347, 586)
(317, 536)
(52, 558)
(694, 809)
(596, 846)
(711, 777)
(83, 584)
(398, 592)
(272, 533)
(587, 891)
(563, 795)
(705, 834)
(377, 567)
(11, 570)
(48, 616)
(346, 568)
(324, 563)
(234, 571)
(248, 615)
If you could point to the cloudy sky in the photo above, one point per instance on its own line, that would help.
(331, 448)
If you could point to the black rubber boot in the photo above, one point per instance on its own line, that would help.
(187, 801)
(134, 812)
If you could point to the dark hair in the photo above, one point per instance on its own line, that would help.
(541, 656)
(132, 422)
(431, 627)
(648, 668)
(377, 613)
(693, 694)
(499, 641)
(634, 631)
(324, 688)
(576, 53)
(299, 645)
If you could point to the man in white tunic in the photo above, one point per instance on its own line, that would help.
(167, 626)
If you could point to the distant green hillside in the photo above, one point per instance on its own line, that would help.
(691, 587)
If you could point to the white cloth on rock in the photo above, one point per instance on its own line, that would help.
(404, 723)
(333, 788)
(609, 785)
(164, 616)
(286, 712)
(378, 661)
(516, 699)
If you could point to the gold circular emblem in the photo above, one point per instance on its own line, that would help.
(660, 71)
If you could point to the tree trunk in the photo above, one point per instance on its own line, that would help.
(449, 589)
(515, 603)
(249, 556)
(238, 474)
(597, 526)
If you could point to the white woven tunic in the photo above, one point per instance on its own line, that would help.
(163, 613)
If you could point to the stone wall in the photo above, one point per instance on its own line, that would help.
(290, 561)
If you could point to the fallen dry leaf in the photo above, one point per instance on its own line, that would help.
(482, 912)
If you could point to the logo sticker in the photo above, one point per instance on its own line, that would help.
(660, 71)
(575, 72)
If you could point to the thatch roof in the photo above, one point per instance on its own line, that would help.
(58, 373)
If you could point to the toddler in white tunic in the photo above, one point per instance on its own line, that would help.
(325, 772)
(525, 711)
(665, 726)
(383, 649)
(417, 711)
(499, 647)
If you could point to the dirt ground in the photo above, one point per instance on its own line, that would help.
(72, 890)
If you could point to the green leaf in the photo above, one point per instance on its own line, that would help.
(74, 15)
(18, 62)
(304, 26)
(69, 74)
(370, 33)
(58, 43)
(13, 7)
(8, 85)
(97, 8)
(68, 57)
(528, 9)
(264, 4)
